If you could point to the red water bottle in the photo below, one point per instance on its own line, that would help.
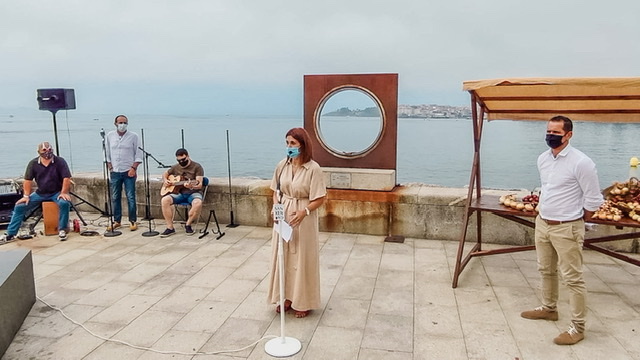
(76, 225)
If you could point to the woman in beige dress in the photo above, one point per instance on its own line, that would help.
(302, 191)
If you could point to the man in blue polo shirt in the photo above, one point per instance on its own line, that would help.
(53, 178)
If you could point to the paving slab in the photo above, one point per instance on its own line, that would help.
(391, 301)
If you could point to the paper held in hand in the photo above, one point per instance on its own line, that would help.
(281, 227)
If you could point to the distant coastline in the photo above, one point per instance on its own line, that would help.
(432, 111)
(345, 111)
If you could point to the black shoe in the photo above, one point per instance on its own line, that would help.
(168, 232)
(8, 238)
(188, 229)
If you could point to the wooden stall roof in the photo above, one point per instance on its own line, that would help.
(581, 99)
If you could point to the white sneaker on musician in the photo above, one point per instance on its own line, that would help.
(63, 235)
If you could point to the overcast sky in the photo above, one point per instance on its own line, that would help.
(249, 57)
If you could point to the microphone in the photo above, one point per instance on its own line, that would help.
(102, 133)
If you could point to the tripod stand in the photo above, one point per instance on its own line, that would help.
(145, 164)
(111, 232)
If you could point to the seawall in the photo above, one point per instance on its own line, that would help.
(415, 210)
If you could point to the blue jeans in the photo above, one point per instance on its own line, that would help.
(34, 201)
(182, 199)
(117, 180)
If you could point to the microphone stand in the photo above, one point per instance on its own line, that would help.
(147, 188)
(232, 224)
(112, 232)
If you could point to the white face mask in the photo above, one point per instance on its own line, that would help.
(122, 127)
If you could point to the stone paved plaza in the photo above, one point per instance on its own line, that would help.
(391, 301)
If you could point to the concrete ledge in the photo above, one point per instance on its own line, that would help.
(414, 210)
(17, 293)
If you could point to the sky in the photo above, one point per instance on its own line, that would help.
(197, 57)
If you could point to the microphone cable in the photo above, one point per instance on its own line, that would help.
(121, 342)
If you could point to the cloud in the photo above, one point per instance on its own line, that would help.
(235, 44)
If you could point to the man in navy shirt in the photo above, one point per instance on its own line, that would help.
(53, 178)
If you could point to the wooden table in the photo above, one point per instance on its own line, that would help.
(491, 204)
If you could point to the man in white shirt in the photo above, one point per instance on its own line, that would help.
(123, 158)
(570, 193)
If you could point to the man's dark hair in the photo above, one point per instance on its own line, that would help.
(567, 124)
(181, 152)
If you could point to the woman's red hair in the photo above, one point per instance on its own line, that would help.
(306, 149)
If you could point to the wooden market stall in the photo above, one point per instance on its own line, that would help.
(580, 99)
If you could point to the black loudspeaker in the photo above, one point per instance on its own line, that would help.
(56, 99)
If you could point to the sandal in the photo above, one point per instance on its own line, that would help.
(287, 306)
(301, 314)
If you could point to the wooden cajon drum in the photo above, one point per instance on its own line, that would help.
(50, 214)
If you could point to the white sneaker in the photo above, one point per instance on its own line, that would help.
(63, 235)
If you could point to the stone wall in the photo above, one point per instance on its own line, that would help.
(416, 210)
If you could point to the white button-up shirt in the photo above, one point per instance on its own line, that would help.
(122, 151)
(569, 185)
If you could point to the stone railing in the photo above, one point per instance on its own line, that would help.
(415, 210)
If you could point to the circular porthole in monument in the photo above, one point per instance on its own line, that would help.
(349, 122)
(352, 121)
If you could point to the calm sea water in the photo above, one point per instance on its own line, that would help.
(431, 151)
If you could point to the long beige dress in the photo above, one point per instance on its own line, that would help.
(302, 253)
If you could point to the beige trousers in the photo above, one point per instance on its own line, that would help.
(559, 249)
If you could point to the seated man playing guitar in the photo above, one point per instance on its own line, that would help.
(182, 183)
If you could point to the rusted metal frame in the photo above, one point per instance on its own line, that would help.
(614, 254)
(460, 263)
(561, 98)
(475, 249)
(512, 248)
(504, 250)
(477, 143)
(475, 170)
(572, 111)
(519, 220)
(626, 236)
(477, 139)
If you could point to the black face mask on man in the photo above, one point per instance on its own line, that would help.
(47, 154)
(183, 162)
(554, 141)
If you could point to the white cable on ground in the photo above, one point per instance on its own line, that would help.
(150, 349)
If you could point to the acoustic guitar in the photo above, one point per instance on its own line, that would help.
(178, 184)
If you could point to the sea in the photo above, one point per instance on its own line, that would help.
(429, 151)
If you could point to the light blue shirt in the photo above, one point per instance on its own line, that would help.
(569, 185)
(123, 151)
